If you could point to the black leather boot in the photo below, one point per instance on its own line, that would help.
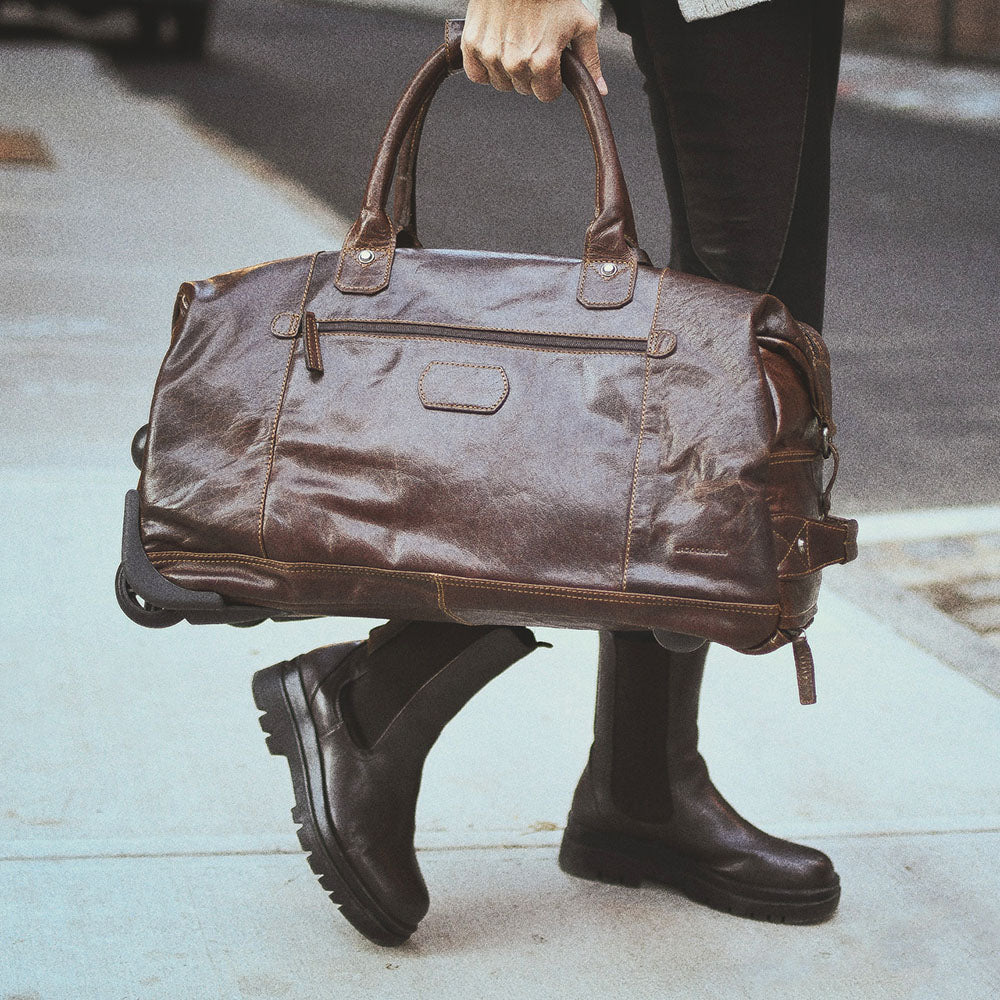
(646, 809)
(355, 722)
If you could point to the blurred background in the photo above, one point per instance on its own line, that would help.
(143, 827)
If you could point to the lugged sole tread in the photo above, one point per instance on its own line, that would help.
(276, 722)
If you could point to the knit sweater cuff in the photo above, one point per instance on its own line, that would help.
(694, 10)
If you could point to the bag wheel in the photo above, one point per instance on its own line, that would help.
(137, 609)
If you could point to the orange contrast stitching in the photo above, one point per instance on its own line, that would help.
(464, 326)
(635, 476)
(467, 406)
(277, 413)
(379, 251)
(623, 298)
(443, 605)
(459, 340)
(650, 600)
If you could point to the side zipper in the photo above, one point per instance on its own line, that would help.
(565, 341)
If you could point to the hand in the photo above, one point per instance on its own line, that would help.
(517, 44)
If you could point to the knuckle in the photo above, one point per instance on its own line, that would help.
(516, 63)
(544, 61)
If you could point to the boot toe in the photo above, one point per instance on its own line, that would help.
(786, 865)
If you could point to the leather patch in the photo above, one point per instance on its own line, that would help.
(364, 270)
(606, 284)
(467, 388)
(285, 325)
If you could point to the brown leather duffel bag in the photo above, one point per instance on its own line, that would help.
(479, 437)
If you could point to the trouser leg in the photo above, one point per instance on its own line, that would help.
(741, 108)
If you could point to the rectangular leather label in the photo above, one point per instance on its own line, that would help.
(464, 387)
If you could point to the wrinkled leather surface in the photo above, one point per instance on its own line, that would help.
(630, 482)
(536, 496)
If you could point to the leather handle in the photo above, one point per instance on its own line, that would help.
(611, 251)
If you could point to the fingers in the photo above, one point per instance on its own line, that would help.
(585, 46)
(482, 63)
(505, 68)
(474, 69)
(546, 80)
(524, 54)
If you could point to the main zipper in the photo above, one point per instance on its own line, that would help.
(311, 329)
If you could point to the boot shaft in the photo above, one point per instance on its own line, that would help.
(645, 726)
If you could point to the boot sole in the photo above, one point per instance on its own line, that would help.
(287, 724)
(623, 861)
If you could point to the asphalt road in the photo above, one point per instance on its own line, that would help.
(913, 297)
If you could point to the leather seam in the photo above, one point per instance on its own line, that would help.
(313, 359)
(480, 343)
(277, 413)
(458, 329)
(836, 561)
(635, 476)
(443, 605)
(290, 330)
(791, 544)
(654, 329)
(272, 447)
(766, 610)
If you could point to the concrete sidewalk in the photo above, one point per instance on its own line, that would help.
(146, 848)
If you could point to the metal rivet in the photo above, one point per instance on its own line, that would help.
(609, 270)
(366, 256)
(801, 545)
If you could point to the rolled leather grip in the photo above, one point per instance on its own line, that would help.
(610, 235)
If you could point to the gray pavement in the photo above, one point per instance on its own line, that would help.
(145, 844)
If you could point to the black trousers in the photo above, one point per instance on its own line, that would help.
(742, 108)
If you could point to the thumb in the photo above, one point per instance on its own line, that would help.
(585, 46)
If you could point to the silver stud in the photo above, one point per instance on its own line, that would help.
(800, 544)
(609, 270)
(366, 256)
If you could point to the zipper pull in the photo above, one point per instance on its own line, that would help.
(310, 334)
(805, 668)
